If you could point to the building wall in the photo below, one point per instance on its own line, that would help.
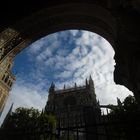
(6, 81)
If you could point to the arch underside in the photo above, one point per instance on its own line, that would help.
(88, 17)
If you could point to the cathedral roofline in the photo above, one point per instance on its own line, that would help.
(70, 89)
(74, 88)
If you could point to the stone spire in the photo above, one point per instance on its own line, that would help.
(75, 85)
(86, 82)
(119, 102)
(91, 81)
(52, 88)
(51, 92)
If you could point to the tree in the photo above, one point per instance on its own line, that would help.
(127, 117)
(130, 104)
(31, 123)
(21, 118)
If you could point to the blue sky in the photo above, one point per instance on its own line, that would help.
(65, 58)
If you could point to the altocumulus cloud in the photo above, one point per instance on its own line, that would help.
(73, 56)
(65, 58)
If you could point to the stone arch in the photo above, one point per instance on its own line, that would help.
(89, 17)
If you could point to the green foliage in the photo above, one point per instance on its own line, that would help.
(22, 117)
(52, 121)
(32, 121)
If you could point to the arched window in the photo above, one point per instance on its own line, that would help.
(9, 82)
(6, 79)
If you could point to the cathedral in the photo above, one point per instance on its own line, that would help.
(75, 114)
(77, 110)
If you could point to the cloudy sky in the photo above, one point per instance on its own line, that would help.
(65, 58)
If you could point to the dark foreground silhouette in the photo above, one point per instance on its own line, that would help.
(121, 123)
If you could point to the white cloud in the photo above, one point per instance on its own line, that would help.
(92, 55)
(23, 95)
(109, 93)
(74, 32)
(28, 97)
(64, 74)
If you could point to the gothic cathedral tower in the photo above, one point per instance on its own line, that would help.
(75, 106)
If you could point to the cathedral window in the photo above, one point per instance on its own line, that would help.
(3, 77)
(9, 83)
(6, 79)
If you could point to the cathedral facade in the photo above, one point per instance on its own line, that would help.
(6, 81)
(77, 110)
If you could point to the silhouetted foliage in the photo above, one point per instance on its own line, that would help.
(31, 124)
(23, 118)
(24, 121)
(126, 116)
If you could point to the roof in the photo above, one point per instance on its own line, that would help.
(70, 89)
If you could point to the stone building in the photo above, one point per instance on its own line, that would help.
(6, 81)
(77, 110)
